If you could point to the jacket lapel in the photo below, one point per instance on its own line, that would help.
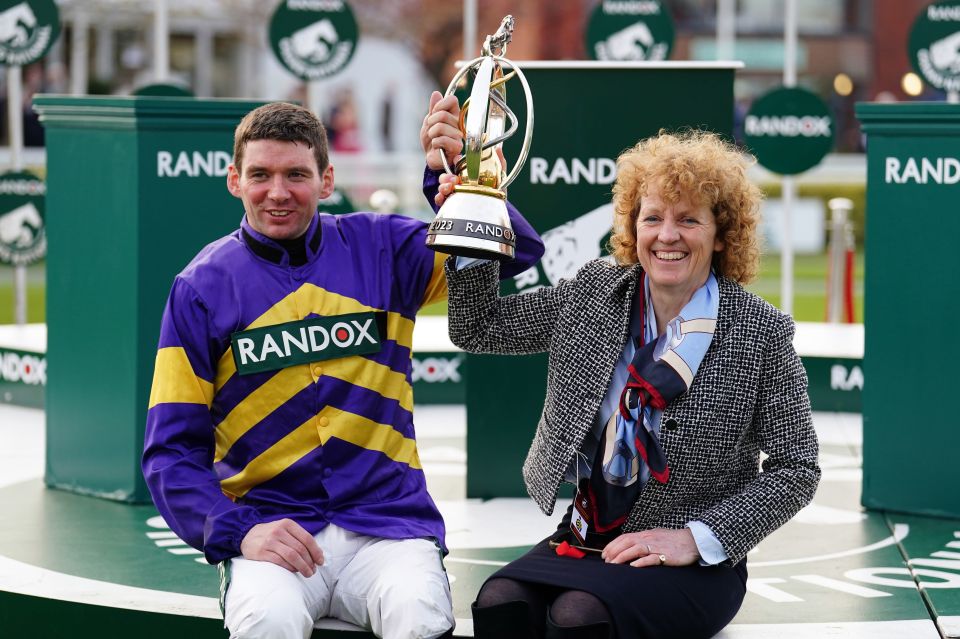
(600, 339)
(613, 332)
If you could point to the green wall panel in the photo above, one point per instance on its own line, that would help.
(910, 432)
(121, 223)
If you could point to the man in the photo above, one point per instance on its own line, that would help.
(280, 437)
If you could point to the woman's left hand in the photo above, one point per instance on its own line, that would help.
(656, 547)
(447, 182)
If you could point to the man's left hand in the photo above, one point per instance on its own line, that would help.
(645, 548)
(441, 130)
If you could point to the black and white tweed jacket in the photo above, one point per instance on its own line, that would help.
(749, 395)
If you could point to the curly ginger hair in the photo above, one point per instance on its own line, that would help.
(703, 169)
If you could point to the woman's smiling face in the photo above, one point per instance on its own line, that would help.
(675, 242)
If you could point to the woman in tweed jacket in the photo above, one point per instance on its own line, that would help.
(674, 565)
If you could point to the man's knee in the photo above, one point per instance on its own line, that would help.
(417, 609)
(271, 615)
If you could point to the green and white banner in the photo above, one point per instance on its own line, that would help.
(23, 239)
(313, 39)
(934, 47)
(594, 111)
(790, 130)
(23, 377)
(28, 28)
(311, 340)
(630, 30)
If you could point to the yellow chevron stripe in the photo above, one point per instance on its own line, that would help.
(345, 426)
(437, 286)
(371, 435)
(312, 299)
(271, 395)
(358, 371)
(175, 382)
(400, 330)
(274, 460)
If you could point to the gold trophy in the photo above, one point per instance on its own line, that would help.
(473, 222)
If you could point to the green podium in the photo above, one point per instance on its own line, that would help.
(587, 113)
(135, 188)
(910, 429)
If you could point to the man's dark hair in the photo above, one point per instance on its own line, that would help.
(281, 121)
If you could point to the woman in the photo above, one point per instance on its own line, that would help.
(666, 380)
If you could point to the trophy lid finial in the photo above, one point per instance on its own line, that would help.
(497, 43)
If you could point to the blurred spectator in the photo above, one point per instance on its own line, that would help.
(386, 119)
(33, 82)
(343, 129)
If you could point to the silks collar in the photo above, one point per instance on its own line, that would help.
(272, 251)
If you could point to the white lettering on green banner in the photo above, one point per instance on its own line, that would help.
(789, 126)
(22, 367)
(436, 369)
(632, 7)
(302, 342)
(573, 171)
(939, 14)
(195, 164)
(922, 170)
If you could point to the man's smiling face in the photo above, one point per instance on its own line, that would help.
(280, 184)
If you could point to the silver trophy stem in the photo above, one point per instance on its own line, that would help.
(476, 124)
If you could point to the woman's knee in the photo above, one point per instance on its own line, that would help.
(578, 608)
(502, 590)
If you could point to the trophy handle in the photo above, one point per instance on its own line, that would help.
(528, 133)
(481, 93)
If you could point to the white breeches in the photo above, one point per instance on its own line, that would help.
(396, 588)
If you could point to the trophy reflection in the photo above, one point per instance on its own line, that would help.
(473, 221)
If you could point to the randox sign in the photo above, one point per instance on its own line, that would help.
(313, 39)
(22, 236)
(630, 30)
(934, 46)
(28, 28)
(311, 340)
(790, 130)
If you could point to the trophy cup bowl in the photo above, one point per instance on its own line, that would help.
(473, 221)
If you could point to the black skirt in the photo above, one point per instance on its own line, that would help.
(657, 602)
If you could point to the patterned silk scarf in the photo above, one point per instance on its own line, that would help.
(661, 370)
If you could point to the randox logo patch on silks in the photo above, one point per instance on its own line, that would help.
(318, 338)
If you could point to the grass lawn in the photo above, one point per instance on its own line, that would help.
(809, 303)
(809, 286)
(36, 299)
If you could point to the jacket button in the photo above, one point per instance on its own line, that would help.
(671, 424)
